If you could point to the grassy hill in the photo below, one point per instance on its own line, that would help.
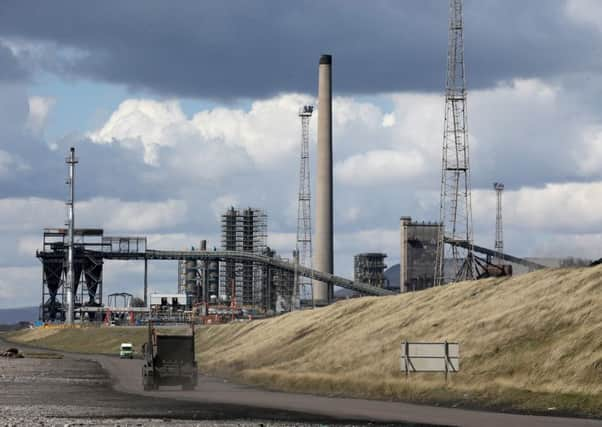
(532, 343)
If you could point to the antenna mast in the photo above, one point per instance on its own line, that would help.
(499, 230)
(455, 206)
(303, 286)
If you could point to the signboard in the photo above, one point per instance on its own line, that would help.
(430, 357)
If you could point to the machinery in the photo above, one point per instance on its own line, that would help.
(169, 360)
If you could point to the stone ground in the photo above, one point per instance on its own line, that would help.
(70, 392)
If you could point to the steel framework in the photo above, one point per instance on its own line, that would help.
(455, 205)
(243, 230)
(499, 230)
(303, 286)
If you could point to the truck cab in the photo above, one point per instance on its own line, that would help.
(126, 350)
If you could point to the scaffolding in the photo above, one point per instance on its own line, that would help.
(243, 230)
(370, 268)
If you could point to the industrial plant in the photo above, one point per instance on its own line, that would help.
(245, 278)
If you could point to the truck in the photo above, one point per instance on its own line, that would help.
(126, 350)
(169, 360)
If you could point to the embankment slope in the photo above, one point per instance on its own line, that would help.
(531, 342)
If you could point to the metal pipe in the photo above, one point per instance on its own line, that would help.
(71, 161)
(145, 282)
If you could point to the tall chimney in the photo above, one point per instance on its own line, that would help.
(323, 260)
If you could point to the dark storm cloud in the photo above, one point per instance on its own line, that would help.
(10, 68)
(255, 49)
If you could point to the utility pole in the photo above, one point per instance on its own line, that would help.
(455, 205)
(499, 230)
(71, 162)
(303, 248)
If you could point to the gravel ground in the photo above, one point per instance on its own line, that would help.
(71, 392)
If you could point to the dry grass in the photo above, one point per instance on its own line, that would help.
(531, 342)
(81, 340)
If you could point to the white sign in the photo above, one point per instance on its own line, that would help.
(430, 357)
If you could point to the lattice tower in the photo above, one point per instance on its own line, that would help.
(455, 206)
(303, 286)
(499, 230)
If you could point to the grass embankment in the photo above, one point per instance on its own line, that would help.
(81, 340)
(527, 343)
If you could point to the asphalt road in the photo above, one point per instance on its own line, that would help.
(126, 375)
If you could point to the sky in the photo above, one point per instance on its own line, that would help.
(178, 111)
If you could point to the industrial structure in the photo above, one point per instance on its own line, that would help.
(303, 289)
(245, 274)
(455, 204)
(243, 230)
(198, 280)
(499, 230)
(70, 285)
(56, 285)
(370, 268)
(419, 250)
(323, 259)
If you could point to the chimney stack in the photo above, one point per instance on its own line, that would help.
(323, 261)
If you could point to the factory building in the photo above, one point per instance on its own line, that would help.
(418, 254)
(193, 278)
(370, 268)
(243, 230)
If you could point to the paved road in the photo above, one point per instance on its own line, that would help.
(127, 378)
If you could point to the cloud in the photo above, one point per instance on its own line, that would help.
(39, 108)
(204, 138)
(219, 205)
(192, 51)
(137, 216)
(19, 286)
(33, 214)
(379, 166)
(146, 122)
(559, 208)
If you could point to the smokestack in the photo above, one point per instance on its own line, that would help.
(323, 260)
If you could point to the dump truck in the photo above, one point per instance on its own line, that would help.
(169, 360)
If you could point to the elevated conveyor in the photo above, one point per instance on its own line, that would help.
(150, 254)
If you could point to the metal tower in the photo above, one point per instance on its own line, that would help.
(303, 286)
(455, 207)
(71, 162)
(499, 230)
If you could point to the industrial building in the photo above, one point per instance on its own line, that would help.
(198, 279)
(87, 292)
(370, 268)
(418, 253)
(243, 230)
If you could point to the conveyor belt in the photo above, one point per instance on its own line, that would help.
(493, 253)
(246, 256)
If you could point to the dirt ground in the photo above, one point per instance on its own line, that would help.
(45, 392)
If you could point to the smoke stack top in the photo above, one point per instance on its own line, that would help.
(326, 59)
